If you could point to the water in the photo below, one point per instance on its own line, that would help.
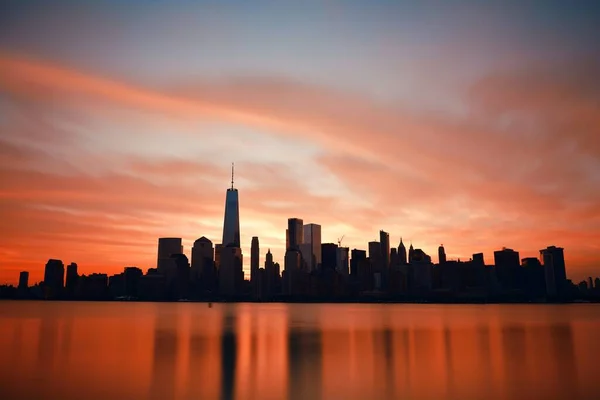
(55, 350)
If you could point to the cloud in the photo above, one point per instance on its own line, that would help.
(521, 168)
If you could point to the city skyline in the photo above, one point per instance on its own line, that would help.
(117, 129)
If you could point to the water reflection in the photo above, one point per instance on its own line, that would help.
(246, 351)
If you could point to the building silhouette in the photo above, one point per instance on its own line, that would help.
(23, 280)
(231, 274)
(402, 256)
(231, 223)
(254, 264)
(295, 233)
(441, 254)
(312, 240)
(166, 248)
(508, 269)
(203, 274)
(54, 277)
(553, 260)
(384, 240)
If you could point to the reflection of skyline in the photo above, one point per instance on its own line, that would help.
(275, 351)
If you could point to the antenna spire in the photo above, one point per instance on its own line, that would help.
(232, 175)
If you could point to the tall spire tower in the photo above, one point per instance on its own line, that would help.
(231, 224)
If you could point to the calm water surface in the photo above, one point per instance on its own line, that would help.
(55, 350)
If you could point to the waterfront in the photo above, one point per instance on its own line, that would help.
(70, 350)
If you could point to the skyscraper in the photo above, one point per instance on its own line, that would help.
(402, 253)
(23, 280)
(254, 260)
(441, 254)
(203, 255)
(231, 275)
(72, 277)
(312, 237)
(166, 248)
(384, 240)
(553, 260)
(231, 224)
(54, 278)
(295, 233)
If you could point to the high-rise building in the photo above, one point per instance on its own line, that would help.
(166, 248)
(54, 278)
(23, 280)
(478, 259)
(553, 260)
(358, 256)
(411, 254)
(203, 255)
(343, 261)
(384, 240)
(295, 233)
(231, 224)
(254, 259)
(312, 237)
(393, 257)
(402, 257)
(72, 277)
(441, 254)
(329, 254)
(508, 269)
(231, 274)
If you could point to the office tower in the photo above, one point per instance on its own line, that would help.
(231, 274)
(478, 259)
(384, 240)
(329, 256)
(231, 224)
(422, 270)
(356, 257)
(181, 279)
(203, 255)
(535, 280)
(343, 261)
(254, 259)
(553, 260)
(508, 269)
(72, 277)
(402, 257)
(23, 280)
(295, 233)
(312, 238)
(167, 247)
(441, 255)
(132, 276)
(272, 271)
(54, 277)
(411, 253)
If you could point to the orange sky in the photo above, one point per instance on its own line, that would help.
(96, 163)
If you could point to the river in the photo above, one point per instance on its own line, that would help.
(112, 350)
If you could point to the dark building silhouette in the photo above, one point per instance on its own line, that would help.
(356, 256)
(72, 278)
(166, 248)
(231, 223)
(179, 288)
(478, 259)
(411, 254)
(508, 269)
(441, 255)
(231, 274)
(553, 260)
(535, 279)
(329, 255)
(384, 241)
(402, 256)
(203, 275)
(254, 263)
(295, 233)
(293, 278)
(54, 277)
(23, 280)
(132, 276)
(272, 272)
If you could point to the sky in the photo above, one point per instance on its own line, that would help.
(472, 124)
